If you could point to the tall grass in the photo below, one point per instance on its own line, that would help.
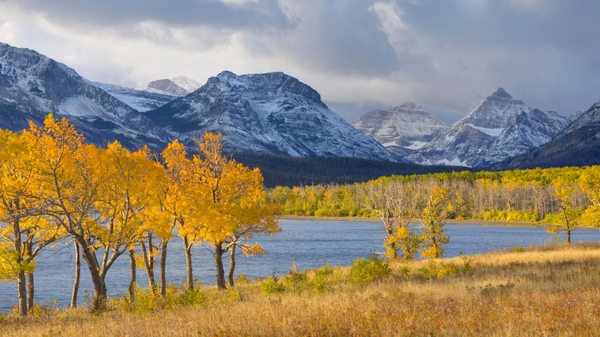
(551, 290)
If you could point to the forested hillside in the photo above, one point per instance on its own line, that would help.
(563, 196)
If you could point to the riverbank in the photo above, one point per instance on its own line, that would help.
(543, 290)
(447, 221)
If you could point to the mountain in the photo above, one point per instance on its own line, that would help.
(139, 100)
(500, 127)
(578, 144)
(32, 85)
(186, 83)
(403, 129)
(266, 113)
(166, 87)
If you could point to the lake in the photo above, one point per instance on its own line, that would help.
(308, 244)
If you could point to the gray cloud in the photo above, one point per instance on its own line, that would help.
(446, 55)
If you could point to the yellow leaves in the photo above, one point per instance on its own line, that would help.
(253, 250)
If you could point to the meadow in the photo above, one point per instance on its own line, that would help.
(542, 290)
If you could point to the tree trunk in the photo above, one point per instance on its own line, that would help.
(99, 299)
(231, 265)
(133, 275)
(30, 291)
(568, 238)
(22, 293)
(21, 281)
(188, 263)
(77, 276)
(149, 261)
(219, 266)
(163, 267)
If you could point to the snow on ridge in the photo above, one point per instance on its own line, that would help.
(495, 132)
(416, 145)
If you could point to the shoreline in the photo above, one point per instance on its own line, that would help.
(447, 222)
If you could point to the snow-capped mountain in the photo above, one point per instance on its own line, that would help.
(578, 144)
(166, 87)
(500, 127)
(139, 100)
(269, 113)
(33, 85)
(403, 129)
(186, 83)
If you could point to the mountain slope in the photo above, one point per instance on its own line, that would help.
(403, 129)
(139, 100)
(32, 85)
(186, 83)
(267, 113)
(500, 127)
(578, 144)
(166, 87)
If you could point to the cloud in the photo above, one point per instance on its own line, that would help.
(446, 55)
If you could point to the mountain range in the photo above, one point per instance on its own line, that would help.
(499, 128)
(268, 113)
(275, 114)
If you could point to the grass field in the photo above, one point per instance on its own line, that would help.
(550, 290)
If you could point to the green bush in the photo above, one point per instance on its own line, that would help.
(297, 281)
(320, 283)
(271, 286)
(365, 271)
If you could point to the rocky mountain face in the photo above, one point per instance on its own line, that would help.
(266, 113)
(32, 85)
(499, 128)
(402, 130)
(186, 83)
(578, 144)
(139, 100)
(166, 87)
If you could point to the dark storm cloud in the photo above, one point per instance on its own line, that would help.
(446, 55)
(335, 37)
(175, 13)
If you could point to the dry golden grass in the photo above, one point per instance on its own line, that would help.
(549, 291)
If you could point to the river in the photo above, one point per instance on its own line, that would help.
(308, 244)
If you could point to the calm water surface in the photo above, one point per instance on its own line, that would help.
(308, 244)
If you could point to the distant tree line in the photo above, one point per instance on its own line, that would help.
(564, 198)
(291, 171)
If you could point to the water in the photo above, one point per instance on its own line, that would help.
(308, 244)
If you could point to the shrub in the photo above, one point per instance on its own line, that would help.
(365, 271)
(271, 286)
(296, 280)
(321, 275)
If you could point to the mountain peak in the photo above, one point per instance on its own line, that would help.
(186, 83)
(166, 87)
(501, 93)
(226, 74)
(408, 106)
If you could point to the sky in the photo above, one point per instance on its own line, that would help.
(360, 55)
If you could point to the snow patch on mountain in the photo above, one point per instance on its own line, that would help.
(186, 83)
(139, 100)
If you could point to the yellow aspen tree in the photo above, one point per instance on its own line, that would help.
(394, 202)
(254, 220)
(24, 233)
(565, 191)
(231, 202)
(72, 176)
(433, 233)
(174, 198)
(589, 181)
(124, 196)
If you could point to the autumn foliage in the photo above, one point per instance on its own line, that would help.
(111, 202)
